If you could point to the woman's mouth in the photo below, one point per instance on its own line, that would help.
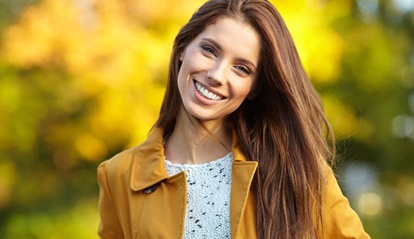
(206, 93)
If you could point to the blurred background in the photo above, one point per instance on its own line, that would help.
(81, 80)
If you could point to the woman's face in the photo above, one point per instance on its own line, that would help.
(218, 69)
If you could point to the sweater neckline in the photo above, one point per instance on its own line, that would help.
(216, 161)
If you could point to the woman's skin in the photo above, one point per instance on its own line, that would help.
(218, 72)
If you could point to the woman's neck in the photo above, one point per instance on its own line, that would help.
(191, 143)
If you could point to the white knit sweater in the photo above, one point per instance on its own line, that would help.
(208, 199)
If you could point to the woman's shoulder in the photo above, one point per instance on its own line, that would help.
(339, 219)
(121, 162)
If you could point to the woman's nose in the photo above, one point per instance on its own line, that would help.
(217, 74)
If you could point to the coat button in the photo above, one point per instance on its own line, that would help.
(150, 189)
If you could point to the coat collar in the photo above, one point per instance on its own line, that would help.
(148, 165)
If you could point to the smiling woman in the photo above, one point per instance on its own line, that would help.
(218, 70)
(238, 149)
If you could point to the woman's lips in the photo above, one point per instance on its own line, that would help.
(206, 93)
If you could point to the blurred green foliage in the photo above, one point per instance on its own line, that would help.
(81, 80)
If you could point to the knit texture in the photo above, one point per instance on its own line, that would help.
(208, 199)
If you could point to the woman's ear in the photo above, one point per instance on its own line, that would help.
(181, 56)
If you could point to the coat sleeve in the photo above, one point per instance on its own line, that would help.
(109, 226)
(339, 219)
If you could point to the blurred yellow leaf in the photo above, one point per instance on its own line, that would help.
(319, 46)
(90, 147)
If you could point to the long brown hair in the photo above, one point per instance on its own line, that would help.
(282, 127)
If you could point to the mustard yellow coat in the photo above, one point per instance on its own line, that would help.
(139, 200)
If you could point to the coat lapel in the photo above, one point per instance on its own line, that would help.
(148, 166)
(241, 198)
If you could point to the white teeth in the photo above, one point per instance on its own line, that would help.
(207, 94)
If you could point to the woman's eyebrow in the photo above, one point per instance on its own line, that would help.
(216, 44)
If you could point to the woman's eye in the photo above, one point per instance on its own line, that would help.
(208, 49)
(244, 70)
